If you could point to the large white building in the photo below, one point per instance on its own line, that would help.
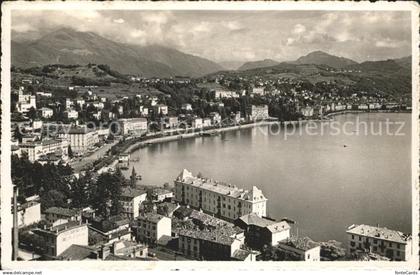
(134, 126)
(59, 238)
(389, 243)
(259, 112)
(25, 101)
(81, 138)
(36, 149)
(29, 212)
(225, 200)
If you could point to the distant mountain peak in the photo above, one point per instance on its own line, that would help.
(258, 64)
(322, 58)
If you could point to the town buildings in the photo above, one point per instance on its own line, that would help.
(111, 229)
(300, 249)
(132, 126)
(46, 112)
(60, 237)
(25, 101)
(130, 200)
(152, 226)
(81, 138)
(224, 200)
(223, 244)
(29, 212)
(54, 214)
(392, 244)
(35, 148)
(259, 112)
(261, 231)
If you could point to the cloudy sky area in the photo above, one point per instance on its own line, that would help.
(238, 35)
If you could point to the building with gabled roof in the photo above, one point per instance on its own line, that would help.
(260, 231)
(300, 249)
(224, 200)
(383, 241)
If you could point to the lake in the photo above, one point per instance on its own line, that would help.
(323, 182)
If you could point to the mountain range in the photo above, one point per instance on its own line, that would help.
(69, 47)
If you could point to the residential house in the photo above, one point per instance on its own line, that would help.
(392, 244)
(152, 226)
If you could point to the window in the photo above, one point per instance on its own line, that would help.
(352, 237)
(352, 243)
(309, 256)
(398, 253)
(398, 246)
(360, 238)
(390, 244)
(375, 241)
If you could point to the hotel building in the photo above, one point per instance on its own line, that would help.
(135, 126)
(224, 200)
(389, 243)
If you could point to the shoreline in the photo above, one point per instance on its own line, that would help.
(212, 131)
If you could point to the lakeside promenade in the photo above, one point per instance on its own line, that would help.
(180, 134)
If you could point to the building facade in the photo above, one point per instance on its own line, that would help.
(259, 112)
(130, 200)
(82, 138)
(134, 126)
(261, 231)
(210, 245)
(389, 243)
(152, 226)
(224, 200)
(59, 238)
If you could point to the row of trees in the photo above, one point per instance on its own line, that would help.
(57, 186)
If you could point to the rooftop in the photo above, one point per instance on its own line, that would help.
(61, 228)
(221, 188)
(273, 226)
(76, 253)
(381, 233)
(241, 254)
(132, 192)
(151, 217)
(207, 219)
(304, 243)
(223, 234)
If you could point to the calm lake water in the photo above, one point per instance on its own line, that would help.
(325, 183)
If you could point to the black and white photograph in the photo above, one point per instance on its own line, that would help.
(270, 135)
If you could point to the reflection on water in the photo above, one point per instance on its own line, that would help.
(315, 180)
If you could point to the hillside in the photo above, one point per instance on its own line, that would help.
(386, 76)
(322, 58)
(258, 64)
(67, 46)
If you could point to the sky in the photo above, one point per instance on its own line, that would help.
(238, 35)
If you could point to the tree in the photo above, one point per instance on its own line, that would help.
(133, 178)
(53, 198)
(70, 152)
(32, 113)
(106, 200)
